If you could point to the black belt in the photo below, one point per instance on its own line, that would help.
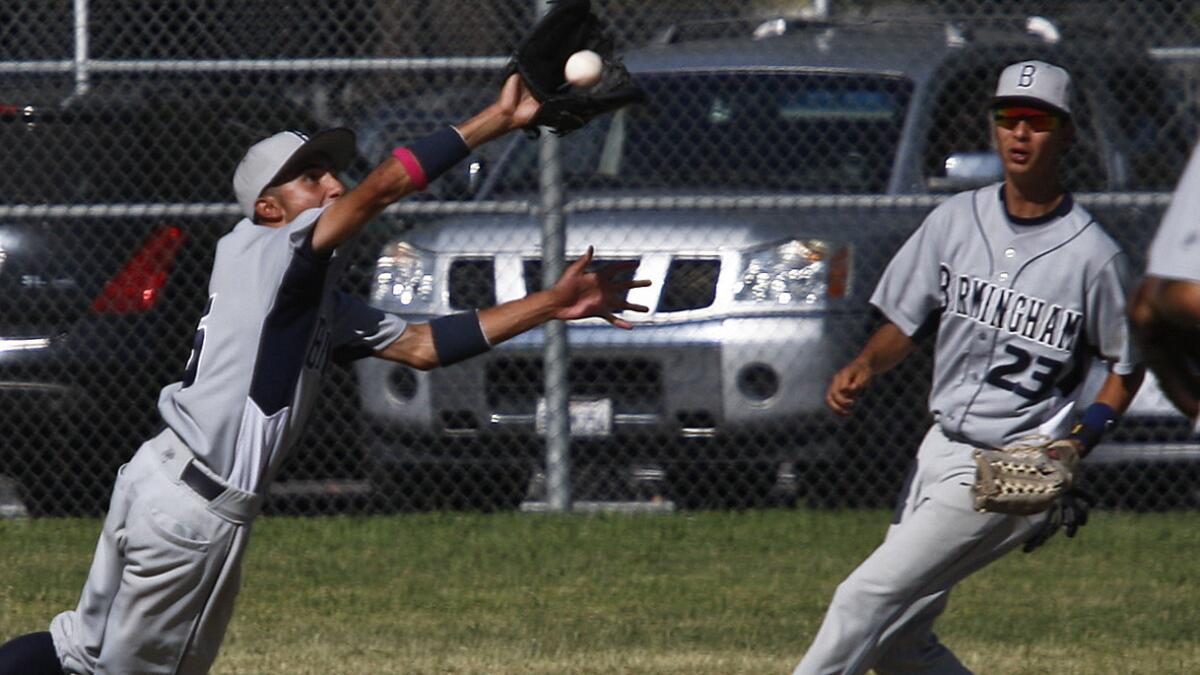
(204, 485)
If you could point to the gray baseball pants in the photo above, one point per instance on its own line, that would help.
(882, 615)
(166, 571)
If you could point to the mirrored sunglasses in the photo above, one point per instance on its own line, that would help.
(1038, 120)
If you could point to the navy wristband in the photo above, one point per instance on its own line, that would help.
(439, 151)
(1096, 421)
(457, 337)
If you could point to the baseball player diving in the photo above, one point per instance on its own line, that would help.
(1023, 288)
(166, 571)
(1166, 307)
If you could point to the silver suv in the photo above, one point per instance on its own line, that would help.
(744, 191)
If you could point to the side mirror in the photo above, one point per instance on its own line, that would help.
(966, 170)
(475, 175)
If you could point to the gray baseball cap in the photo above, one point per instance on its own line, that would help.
(1035, 83)
(278, 155)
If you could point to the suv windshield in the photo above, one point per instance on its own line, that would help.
(794, 131)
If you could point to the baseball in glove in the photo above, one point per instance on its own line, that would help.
(1024, 479)
(540, 59)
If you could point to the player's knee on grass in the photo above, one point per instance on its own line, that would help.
(31, 654)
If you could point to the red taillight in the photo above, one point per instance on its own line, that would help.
(137, 286)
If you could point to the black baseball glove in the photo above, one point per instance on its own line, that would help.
(568, 27)
(1069, 513)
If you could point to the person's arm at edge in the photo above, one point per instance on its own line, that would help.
(1160, 307)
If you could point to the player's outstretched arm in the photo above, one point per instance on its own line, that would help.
(578, 294)
(886, 348)
(1165, 316)
(409, 169)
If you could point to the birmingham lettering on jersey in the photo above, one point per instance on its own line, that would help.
(1005, 309)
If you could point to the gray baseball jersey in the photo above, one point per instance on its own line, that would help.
(1175, 253)
(273, 318)
(272, 321)
(1021, 309)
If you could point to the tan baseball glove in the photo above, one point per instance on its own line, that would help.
(1024, 479)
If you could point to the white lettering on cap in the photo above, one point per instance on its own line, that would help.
(1026, 78)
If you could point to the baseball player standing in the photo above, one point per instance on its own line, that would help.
(1166, 307)
(1023, 287)
(161, 589)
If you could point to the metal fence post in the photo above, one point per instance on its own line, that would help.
(555, 356)
(82, 75)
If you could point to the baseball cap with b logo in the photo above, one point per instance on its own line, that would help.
(1035, 83)
(276, 157)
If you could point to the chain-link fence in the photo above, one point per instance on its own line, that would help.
(774, 170)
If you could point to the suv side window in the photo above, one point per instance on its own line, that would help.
(960, 123)
(1084, 168)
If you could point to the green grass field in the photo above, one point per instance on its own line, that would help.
(709, 593)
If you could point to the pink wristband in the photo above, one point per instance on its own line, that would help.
(415, 173)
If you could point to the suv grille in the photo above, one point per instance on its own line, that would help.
(532, 271)
(472, 283)
(514, 385)
(690, 284)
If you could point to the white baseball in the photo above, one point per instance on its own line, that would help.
(583, 68)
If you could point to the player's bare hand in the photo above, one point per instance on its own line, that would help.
(584, 294)
(847, 385)
(517, 102)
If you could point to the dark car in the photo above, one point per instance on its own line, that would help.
(110, 208)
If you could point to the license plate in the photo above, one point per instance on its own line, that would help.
(588, 418)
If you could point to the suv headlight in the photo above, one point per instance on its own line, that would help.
(795, 272)
(404, 275)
